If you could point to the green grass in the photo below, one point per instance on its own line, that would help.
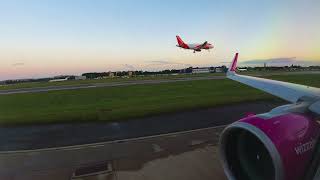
(122, 103)
(107, 80)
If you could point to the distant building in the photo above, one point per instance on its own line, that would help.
(80, 77)
(219, 70)
(200, 70)
(111, 74)
(242, 69)
(130, 73)
(59, 80)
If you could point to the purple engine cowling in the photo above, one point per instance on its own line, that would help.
(269, 147)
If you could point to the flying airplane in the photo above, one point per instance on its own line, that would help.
(194, 47)
(280, 144)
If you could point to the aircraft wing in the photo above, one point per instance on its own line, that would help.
(202, 45)
(288, 91)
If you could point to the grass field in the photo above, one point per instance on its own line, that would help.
(119, 79)
(122, 103)
(107, 80)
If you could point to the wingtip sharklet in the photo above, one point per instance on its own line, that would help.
(233, 66)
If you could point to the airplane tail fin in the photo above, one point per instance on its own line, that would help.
(180, 41)
(233, 66)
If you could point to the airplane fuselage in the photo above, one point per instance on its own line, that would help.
(195, 47)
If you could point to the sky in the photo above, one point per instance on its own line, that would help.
(42, 38)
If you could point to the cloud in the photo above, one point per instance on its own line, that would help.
(128, 66)
(281, 61)
(272, 60)
(165, 62)
(160, 62)
(18, 64)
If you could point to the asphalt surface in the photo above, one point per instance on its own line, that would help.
(109, 84)
(50, 136)
(188, 155)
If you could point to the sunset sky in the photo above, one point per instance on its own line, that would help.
(40, 38)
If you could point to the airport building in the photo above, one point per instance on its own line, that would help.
(200, 70)
(80, 77)
(208, 70)
(111, 74)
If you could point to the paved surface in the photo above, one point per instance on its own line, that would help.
(186, 155)
(127, 151)
(47, 136)
(109, 84)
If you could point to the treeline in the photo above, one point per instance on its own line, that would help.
(282, 68)
(25, 80)
(94, 75)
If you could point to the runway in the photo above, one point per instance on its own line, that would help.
(101, 85)
(188, 155)
(182, 145)
(32, 137)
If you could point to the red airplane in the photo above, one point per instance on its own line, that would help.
(194, 47)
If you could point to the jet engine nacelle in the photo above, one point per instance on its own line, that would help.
(267, 147)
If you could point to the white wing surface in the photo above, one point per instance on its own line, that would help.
(288, 91)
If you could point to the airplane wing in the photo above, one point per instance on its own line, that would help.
(288, 91)
(202, 45)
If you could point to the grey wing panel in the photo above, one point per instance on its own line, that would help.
(315, 107)
(287, 91)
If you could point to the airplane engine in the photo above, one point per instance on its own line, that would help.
(267, 147)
